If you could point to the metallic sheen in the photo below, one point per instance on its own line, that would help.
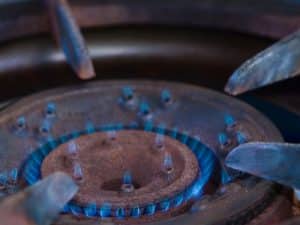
(277, 162)
(278, 62)
(70, 39)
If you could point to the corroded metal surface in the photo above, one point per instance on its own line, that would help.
(220, 123)
(133, 151)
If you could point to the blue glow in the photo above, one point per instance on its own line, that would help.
(148, 126)
(51, 108)
(178, 200)
(90, 127)
(105, 210)
(184, 137)
(127, 178)
(3, 178)
(195, 143)
(120, 213)
(107, 127)
(44, 150)
(165, 205)
(66, 209)
(75, 209)
(174, 133)
(75, 134)
(117, 126)
(241, 137)
(223, 139)
(150, 209)
(205, 156)
(45, 126)
(225, 177)
(161, 129)
(51, 142)
(229, 120)
(144, 108)
(133, 125)
(64, 138)
(136, 212)
(14, 174)
(37, 159)
(127, 93)
(90, 210)
(30, 178)
(21, 122)
(165, 96)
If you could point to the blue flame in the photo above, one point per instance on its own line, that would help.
(120, 213)
(150, 209)
(75, 209)
(20, 128)
(50, 109)
(194, 143)
(127, 92)
(161, 129)
(165, 96)
(21, 122)
(90, 127)
(225, 177)
(184, 137)
(148, 126)
(45, 126)
(127, 178)
(174, 133)
(144, 108)
(3, 178)
(205, 156)
(136, 212)
(229, 120)
(241, 137)
(223, 139)
(90, 210)
(105, 210)
(13, 175)
(165, 205)
(178, 200)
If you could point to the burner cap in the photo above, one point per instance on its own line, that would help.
(125, 172)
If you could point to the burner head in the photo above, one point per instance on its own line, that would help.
(143, 133)
(126, 171)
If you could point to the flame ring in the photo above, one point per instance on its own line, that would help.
(206, 160)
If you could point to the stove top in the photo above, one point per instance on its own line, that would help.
(140, 151)
(146, 140)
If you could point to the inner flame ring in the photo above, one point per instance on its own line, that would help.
(206, 163)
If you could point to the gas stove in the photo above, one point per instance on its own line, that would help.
(146, 140)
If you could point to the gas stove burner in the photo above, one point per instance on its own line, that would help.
(140, 151)
(152, 171)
